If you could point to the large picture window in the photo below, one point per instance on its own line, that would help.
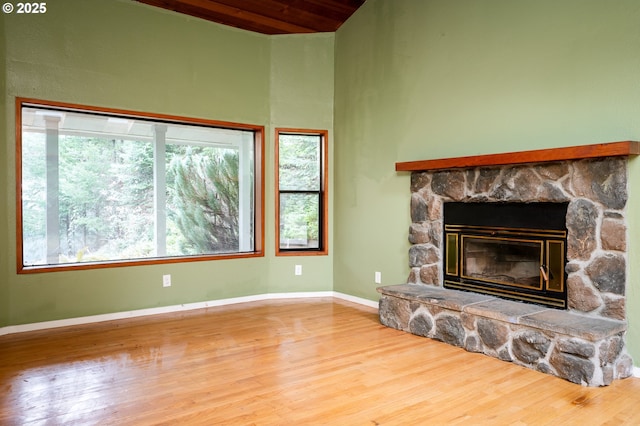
(301, 199)
(103, 187)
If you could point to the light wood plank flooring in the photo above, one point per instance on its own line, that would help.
(290, 362)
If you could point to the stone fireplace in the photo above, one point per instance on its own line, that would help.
(583, 341)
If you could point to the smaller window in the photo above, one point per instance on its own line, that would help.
(301, 195)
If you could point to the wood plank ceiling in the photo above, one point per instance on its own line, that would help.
(268, 16)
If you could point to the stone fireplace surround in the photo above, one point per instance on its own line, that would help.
(584, 344)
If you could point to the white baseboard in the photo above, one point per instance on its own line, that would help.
(179, 308)
(354, 299)
(636, 371)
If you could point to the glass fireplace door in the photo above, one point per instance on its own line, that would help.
(503, 261)
(515, 251)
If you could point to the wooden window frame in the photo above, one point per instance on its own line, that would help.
(323, 238)
(258, 187)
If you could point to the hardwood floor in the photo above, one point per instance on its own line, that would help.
(306, 361)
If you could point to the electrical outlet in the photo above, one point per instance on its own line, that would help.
(166, 281)
(378, 278)
(298, 270)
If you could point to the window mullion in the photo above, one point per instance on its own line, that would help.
(300, 191)
(160, 188)
(245, 195)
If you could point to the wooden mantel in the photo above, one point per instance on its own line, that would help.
(610, 149)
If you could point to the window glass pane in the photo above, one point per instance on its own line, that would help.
(34, 181)
(99, 188)
(203, 203)
(299, 162)
(299, 215)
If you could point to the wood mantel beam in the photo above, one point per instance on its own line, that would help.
(610, 149)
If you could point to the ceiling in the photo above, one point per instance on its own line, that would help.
(268, 16)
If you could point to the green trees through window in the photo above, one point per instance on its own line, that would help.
(99, 187)
(203, 200)
(301, 198)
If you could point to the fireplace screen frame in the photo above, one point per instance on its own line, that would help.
(546, 288)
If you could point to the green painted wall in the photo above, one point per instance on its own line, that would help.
(633, 286)
(4, 175)
(420, 79)
(301, 97)
(123, 54)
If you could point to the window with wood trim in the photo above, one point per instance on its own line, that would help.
(301, 192)
(102, 187)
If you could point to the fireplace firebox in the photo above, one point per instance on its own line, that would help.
(515, 251)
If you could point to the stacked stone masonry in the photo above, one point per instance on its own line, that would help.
(596, 193)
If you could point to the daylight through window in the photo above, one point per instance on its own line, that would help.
(103, 187)
(301, 200)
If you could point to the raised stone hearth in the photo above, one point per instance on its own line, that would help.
(584, 344)
(579, 348)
